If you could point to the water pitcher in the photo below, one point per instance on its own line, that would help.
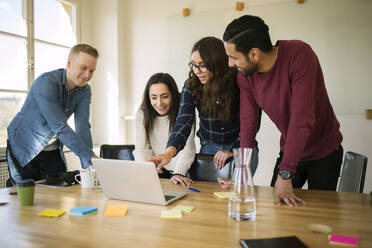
(242, 200)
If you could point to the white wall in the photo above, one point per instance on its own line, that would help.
(99, 27)
(133, 37)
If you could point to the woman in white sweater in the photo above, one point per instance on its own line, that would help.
(154, 121)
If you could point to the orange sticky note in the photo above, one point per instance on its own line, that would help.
(116, 211)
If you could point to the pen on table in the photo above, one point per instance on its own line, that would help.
(192, 189)
(3, 203)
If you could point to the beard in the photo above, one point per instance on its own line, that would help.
(248, 71)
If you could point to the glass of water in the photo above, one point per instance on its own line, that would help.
(242, 200)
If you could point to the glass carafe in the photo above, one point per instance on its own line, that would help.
(242, 200)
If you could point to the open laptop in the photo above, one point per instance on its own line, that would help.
(133, 181)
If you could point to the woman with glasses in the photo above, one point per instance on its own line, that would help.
(154, 121)
(211, 89)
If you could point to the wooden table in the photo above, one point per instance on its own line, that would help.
(207, 226)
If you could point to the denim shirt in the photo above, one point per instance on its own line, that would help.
(45, 112)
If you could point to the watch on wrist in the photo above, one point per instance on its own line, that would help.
(285, 175)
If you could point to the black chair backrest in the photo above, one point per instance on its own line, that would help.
(122, 152)
(203, 169)
(353, 173)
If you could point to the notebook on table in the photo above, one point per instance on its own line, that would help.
(133, 181)
(279, 242)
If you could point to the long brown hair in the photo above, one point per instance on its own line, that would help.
(149, 113)
(220, 94)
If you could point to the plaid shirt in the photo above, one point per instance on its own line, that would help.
(212, 129)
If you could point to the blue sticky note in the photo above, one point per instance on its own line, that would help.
(83, 210)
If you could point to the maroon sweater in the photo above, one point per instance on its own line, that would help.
(294, 96)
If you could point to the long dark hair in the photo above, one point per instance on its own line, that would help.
(149, 112)
(218, 96)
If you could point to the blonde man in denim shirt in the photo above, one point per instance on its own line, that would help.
(38, 132)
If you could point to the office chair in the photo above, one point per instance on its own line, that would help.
(4, 173)
(203, 169)
(353, 173)
(122, 152)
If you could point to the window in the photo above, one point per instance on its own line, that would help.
(35, 37)
(55, 34)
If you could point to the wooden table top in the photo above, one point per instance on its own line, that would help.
(207, 226)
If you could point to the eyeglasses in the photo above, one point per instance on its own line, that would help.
(201, 68)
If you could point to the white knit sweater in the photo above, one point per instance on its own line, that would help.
(181, 163)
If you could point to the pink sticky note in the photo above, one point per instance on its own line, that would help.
(344, 240)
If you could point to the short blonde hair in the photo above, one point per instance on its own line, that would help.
(85, 48)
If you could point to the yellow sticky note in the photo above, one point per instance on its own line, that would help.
(186, 209)
(52, 213)
(116, 211)
(171, 214)
(222, 195)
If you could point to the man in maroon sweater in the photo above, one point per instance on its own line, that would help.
(287, 82)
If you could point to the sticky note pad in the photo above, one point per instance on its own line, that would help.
(52, 213)
(171, 214)
(222, 195)
(116, 211)
(83, 210)
(344, 240)
(186, 209)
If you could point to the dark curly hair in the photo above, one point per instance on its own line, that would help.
(220, 94)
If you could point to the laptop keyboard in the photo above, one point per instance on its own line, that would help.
(168, 197)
